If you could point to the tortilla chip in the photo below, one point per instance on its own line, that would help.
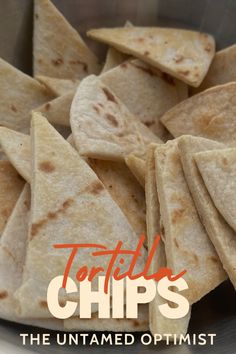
(147, 92)
(158, 323)
(82, 207)
(17, 148)
(210, 114)
(11, 185)
(183, 54)
(187, 245)
(113, 59)
(138, 167)
(59, 51)
(12, 258)
(220, 233)
(19, 95)
(57, 111)
(218, 170)
(58, 87)
(222, 69)
(103, 127)
(125, 191)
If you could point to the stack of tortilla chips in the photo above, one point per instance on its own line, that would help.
(140, 158)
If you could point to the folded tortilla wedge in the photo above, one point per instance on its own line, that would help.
(187, 244)
(68, 205)
(183, 54)
(147, 92)
(11, 185)
(158, 323)
(138, 167)
(210, 114)
(19, 95)
(103, 127)
(59, 51)
(218, 170)
(221, 234)
(58, 87)
(221, 71)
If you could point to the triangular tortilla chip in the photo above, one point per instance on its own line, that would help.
(19, 95)
(59, 51)
(218, 170)
(58, 87)
(158, 323)
(147, 92)
(12, 258)
(220, 233)
(58, 215)
(221, 71)
(138, 167)
(103, 127)
(187, 244)
(11, 185)
(184, 54)
(57, 111)
(125, 191)
(210, 114)
(17, 148)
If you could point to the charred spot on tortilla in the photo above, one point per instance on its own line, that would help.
(224, 161)
(5, 213)
(47, 106)
(136, 323)
(178, 58)
(13, 108)
(96, 108)
(111, 119)
(47, 167)
(146, 53)
(95, 188)
(78, 62)
(176, 243)
(27, 205)
(150, 123)
(109, 95)
(57, 62)
(124, 65)
(43, 304)
(195, 258)
(67, 203)
(36, 227)
(214, 259)
(177, 215)
(3, 295)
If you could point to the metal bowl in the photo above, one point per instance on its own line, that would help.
(216, 313)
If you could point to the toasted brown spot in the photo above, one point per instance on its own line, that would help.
(67, 203)
(36, 227)
(195, 257)
(184, 72)
(46, 166)
(95, 188)
(43, 304)
(47, 106)
(112, 119)
(3, 295)
(110, 186)
(146, 53)
(225, 161)
(78, 62)
(213, 259)
(13, 108)
(101, 105)
(109, 95)
(176, 243)
(96, 108)
(40, 61)
(27, 205)
(177, 215)
(136, 323)
(52, 215)
(178, 58)
(36, 16)
(57, 62)
(5, 212)
(168, 79)
(150, 123)
(208, 48)
(140, 39)
(124, 65)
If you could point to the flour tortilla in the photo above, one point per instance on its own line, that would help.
(210, 114)
(220, 233)
(59, 51)
(222, 69)
(147, 92)
(158, 323)
(19, 95)
(218, 170)
(11, 185)
(57, 111)
(125, 191)
(12, 258)
(113, 59)
(138, 167)
(17, 148)
(103, 127)
(67, 200)
(58, 87)
(183, 54)
(187, 245)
